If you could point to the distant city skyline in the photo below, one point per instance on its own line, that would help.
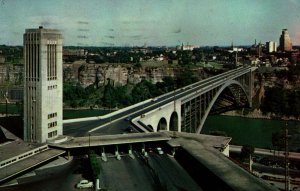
(153, 22)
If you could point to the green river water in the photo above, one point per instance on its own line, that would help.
(256, 132)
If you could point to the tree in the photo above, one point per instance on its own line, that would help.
(142, 91)
(278, 140)
(185, 78)
(247, 152)
(109, 98)
(169, 83)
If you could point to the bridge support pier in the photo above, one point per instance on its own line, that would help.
(103, 155)
(130, 152)
(117, 154)
(97, 184)
(144, 152)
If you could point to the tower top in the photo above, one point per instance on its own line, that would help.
(42, 29)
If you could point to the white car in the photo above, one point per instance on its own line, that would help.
(84, 184)
(159, 150)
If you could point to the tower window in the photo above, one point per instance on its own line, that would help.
(52, 134)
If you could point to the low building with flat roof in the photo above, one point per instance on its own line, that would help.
(17, 156)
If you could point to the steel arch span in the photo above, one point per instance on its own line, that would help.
(224, 97)
(240, 96)
(186, 109)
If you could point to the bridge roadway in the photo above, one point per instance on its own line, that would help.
(117, 122)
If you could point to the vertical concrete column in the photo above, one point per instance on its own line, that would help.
(130, 152)
(117, 153)
(251, 82)
(97, 184)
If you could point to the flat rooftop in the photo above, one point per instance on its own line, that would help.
(28, 163)
(203, 149)
(14, 146)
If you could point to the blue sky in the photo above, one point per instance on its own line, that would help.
(152, 22)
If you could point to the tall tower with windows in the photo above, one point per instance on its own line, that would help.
(285, 42)
(42, 84)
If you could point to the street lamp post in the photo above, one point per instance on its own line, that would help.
(6, 109)
(89, 141)
(286, 161)
(174, 98)
(6, 102)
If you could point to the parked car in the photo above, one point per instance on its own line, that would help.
(127, 119)
(84, 184)
(159, 151)
(129, 129)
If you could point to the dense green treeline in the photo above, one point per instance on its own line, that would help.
(110, 96)
(282, 102)
(13, 54)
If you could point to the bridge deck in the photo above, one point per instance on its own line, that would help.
(104, 140)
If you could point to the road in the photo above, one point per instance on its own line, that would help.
(161, 172)
(267, 152)
(269, 164)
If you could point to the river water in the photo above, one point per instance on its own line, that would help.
(250, 131)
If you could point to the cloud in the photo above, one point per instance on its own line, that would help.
(108, 44)
(293, 1)
(47, 21)
(110, 36)
(177, 31)
(82, 36)
(134, 37)
(137, 20)
(83, 30)
(83, 22)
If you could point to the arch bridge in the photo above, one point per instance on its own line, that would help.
(186, 109)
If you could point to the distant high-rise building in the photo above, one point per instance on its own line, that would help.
(187, 47)
(42, 84)
(271, 46)
(285, 43)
